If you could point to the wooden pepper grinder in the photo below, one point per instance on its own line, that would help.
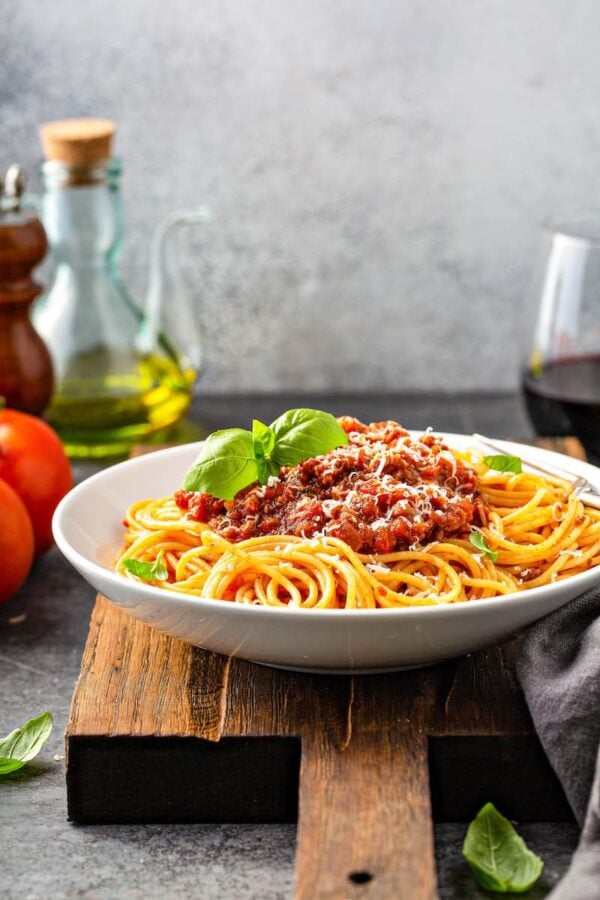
(26, 377)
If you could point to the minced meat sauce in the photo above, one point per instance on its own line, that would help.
(383, 491)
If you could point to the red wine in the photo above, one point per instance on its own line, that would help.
(565, 399)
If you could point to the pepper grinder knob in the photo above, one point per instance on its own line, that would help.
(14, 183)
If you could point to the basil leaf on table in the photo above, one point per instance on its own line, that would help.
(303, 433)
(22, 744)
(156, 571)
(480, 542)
(503, 463)
(499, 857)
(226, 464)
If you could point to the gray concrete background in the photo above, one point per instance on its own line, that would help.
(377, 168)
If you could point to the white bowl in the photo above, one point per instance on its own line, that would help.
(88, 529)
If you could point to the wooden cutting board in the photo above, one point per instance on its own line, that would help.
(161, 731)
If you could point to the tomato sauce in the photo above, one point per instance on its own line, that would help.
(381, 492)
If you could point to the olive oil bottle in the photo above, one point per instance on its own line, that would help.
(107, 404)
(123, 373)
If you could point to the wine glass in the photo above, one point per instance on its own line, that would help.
(561, 377)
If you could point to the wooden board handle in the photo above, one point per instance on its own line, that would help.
(364, 824)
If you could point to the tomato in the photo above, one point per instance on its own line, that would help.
(16, 542)
(34, 464)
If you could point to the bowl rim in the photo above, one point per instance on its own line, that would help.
(585, 579)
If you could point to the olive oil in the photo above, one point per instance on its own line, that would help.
(110, 400)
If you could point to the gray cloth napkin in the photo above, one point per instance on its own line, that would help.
(558, 665)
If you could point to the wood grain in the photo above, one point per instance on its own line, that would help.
(131, 682)
(364, 825)
(135, 681)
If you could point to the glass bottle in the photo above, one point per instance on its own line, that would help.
(118, 380)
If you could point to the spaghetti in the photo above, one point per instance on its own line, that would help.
(533, 529)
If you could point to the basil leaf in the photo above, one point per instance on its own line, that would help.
(273, 468)
(303, 433)
(226, 464)
(24, 743)
(263, 440)
(159, 570)
(156, 571)
(261, 468)
(504, 463)
(9, 765)
(480, 542)
(498, 855)
(266, 468)
(139, 568)
(263, 436)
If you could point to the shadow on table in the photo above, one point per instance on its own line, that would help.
(29, 772)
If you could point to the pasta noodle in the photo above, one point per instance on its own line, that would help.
(539, 529)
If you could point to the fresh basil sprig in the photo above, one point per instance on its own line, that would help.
(156, 571)
(478, 540)
(232, 459)
(22, 744)
(499, 857)
(503, 463)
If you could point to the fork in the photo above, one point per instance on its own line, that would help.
(583, 489)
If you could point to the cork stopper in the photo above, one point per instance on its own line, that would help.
(78, 142)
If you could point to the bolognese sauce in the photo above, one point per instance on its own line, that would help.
(381, 492)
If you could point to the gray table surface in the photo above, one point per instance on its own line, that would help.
(42, 633)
